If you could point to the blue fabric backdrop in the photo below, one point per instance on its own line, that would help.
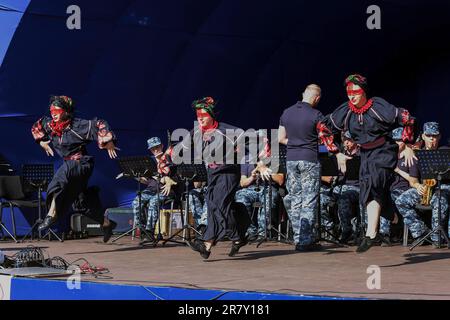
(139, 64)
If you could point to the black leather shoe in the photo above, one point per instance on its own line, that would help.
(366, 244)
(47, 223)
(108, 231)
(308, 247)
(236, 246)
(199, 246)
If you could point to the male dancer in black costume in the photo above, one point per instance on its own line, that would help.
(69, 136)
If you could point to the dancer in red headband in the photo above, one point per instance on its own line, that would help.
(226, 218)
(369, 122)
(69, 137)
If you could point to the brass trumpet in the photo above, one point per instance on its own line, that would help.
(429, 185)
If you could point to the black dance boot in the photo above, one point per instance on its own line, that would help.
(199, 246)
(367, 243)
(47, 223)
(108, 230)
(236, 246)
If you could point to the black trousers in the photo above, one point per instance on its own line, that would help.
(68, 182)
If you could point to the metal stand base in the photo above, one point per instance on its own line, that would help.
(269, 238)
(142, 230)
(2, 225)
(439, 230)
(49, 233)
(31, 232)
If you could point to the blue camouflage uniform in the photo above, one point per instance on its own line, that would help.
(407, 201)
(405, 197)
(149, 203)
(303, 186)
(445, 198)
(325, 198)
(347, 196)
(149, 197)
(198, 206)
(256, 193)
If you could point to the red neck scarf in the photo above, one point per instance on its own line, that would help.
(58, 127)
(361, 110)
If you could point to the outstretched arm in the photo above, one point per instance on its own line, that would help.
(41, 135)
(105, 138)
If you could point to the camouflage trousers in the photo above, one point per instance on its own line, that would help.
(407, 202)
(325, 198)
(249, 196)
(347, 199)
(406, 206)
(198, 207)
(149, 202)
(445, 199)
(301, 203)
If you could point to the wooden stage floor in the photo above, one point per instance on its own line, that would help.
(273, 267)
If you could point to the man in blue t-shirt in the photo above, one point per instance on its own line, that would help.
(300, 130)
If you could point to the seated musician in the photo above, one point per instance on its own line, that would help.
(166, 182)
(407, 201)
(254, 181)
(346, 192)
(198, 205)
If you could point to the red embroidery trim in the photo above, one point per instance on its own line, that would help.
(408, 126)
(37, 131)
(326, 137)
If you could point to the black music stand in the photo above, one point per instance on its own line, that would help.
(137, 167)
(434, 164)
(38, 176)
(267, 197)
(188, 173)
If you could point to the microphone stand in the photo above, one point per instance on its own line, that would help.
(268, 215)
